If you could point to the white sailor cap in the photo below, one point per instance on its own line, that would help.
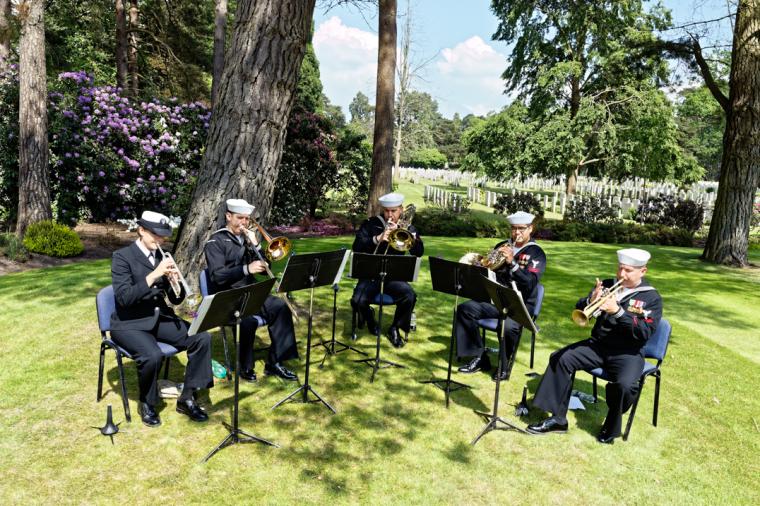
(520, 218)
(391, 200)
(633, 256)
(239, 206)
(156, 223)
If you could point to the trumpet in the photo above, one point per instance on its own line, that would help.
(581, 317)
(400, 238)
(176, 279)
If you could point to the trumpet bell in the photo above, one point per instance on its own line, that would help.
(278, 248)
(580, 318)
(472, 258)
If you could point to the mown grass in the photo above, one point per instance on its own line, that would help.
(392, 441)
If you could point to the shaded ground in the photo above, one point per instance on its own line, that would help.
(99, 241)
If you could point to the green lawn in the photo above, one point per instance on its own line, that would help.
(392, 441)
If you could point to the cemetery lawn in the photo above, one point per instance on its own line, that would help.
(392, 441)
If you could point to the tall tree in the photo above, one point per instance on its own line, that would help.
(562, 54)
(404, 82)
(247, 128)
(34, 184)
(5, 31)
(134, 80)
(220, 32)
(381, 179)
(122, 45)
(362, 114)
(728, 240)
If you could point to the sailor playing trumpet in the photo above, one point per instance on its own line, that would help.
(518, 259)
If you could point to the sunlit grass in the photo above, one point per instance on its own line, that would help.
(392, 441)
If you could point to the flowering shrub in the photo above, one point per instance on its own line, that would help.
(755, 221)
(590, 210)
(672, 212)
(111, 158)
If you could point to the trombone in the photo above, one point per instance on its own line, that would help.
(581, 317)
(176, 279)
(400, 238)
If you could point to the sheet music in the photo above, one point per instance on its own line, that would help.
(339, 275)
(202, 310)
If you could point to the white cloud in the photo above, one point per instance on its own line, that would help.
(347, 60)
(471, 58)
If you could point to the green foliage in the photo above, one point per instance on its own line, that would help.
(9, 145)
(448, 138)
(13, 248)
(362, 114)
(307, 169)
(590, 210)
(672, 212)
(491, 144)
(309, 96)
(615, 232)
(354, 154)
(701, 123)
(418, 123)
(526, 202)
(446, 223)
(427, 158)
(52, 239)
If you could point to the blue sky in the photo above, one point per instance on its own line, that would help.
(464, 68)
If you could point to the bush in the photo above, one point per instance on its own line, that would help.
(526, 202)
(755, 220)
(615, 233)
(444, 222)
(672, 212)
(591, 210)
(427, 158)
(13, 248)
(52, 239)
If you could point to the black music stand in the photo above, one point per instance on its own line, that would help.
(383, 268)
(330, 345)
(310, 270)
(510, 304)
(456, 279)
(227, 308)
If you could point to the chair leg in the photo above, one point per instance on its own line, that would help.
(656, 398)
(166, 367)
(532, 347)
(633, 409)
(596, 397)
(124, 398)
(100, 371)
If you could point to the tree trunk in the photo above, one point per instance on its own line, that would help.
(381, 179)
(248, 124)
(728, 240)
(404, 80)
(34, 187)
(133, 86)
(121, 45)
(575, 105)
(220, 31)
(5, 32)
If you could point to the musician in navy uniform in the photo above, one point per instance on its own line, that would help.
(140, 277)
(373, 237)
(525, 263)
(233, 257)
(626, 322)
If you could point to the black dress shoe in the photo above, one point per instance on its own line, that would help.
(248, 374)
(395, 338)
(481, 363)
(280, 371)
(193, 411)
(148, 415)
(604, 438)
(547, 426)
(496, 374)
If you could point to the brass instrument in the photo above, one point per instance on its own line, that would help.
(493, 260)
(176, 279)
(278, 248)
(593, 309)
(400, 238)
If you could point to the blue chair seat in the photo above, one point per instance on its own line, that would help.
(600, 373)
(488, 323)
(387, 299)
(166, 349)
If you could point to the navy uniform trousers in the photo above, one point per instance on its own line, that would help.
(142, 346)
(624, 369)
(281, 332)
(401, 293)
